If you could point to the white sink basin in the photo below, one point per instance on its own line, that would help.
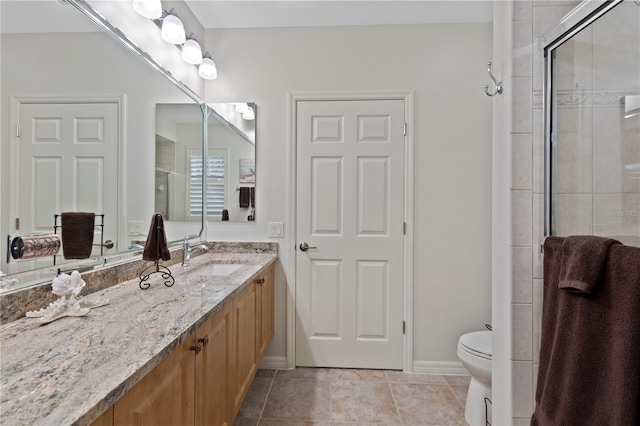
(218, 269)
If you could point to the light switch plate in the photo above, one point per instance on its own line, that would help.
(276, 229)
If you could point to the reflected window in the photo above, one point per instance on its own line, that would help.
(215, 182)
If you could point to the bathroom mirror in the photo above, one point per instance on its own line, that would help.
(55, 57)
(231, 137)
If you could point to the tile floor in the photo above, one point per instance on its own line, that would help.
(341, 397)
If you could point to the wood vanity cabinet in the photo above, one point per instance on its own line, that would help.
(245, 341)
(106, 419)
(205, 379)
(190, 386)
(266, 293)
(253, 328)
(165, 396)
(212, 370)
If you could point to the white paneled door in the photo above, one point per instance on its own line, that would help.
(67, 161)
(350, 186)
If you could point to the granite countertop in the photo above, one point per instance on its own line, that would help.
(73, 369)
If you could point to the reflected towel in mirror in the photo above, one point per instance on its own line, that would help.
(245, 197)
(77, 234)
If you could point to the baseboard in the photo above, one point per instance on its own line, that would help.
(274, 362)
(419, 367)
(440, 367)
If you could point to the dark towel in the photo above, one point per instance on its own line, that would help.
(77, 234)
(252, 196)
(589, 373)
(156, 246)
(583, 260)
(245, 197)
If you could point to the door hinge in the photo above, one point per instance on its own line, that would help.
(404, 228)
(404, 327)
(404, 129)
(17, 223)
(18, 130)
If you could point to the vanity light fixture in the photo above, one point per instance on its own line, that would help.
(151, 9)
(191, 51)
(246, 111)
(207, 69)
(172, 28)
(173, 32)
(249, 114)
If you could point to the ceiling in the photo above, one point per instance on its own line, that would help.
(20, 16)
(304, 13)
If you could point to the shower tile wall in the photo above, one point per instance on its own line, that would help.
(531, 19)
(586, 196)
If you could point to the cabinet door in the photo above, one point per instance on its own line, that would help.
(212, 370)
(106, 419)
(165, 396)
(266, 286)
(245, 344)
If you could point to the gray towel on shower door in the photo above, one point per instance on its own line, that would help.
(583, 260)
(589, 372)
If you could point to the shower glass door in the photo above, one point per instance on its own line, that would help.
(593, 126)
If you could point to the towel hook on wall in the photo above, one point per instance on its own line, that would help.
(498, 86)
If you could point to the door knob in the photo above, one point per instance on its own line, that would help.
(305, 247)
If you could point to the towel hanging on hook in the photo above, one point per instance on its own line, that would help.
(498, 86)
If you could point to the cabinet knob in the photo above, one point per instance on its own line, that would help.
(204, 340)
(260, 281)
(197, 348)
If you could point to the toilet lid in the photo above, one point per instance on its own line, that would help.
(477, 342)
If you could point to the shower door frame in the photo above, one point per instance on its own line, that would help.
(575, 21)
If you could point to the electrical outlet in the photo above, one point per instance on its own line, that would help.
(276, 229)
(135, 227)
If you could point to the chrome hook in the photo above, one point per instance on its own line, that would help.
(498, 86)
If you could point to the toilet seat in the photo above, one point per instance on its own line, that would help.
(477, 343)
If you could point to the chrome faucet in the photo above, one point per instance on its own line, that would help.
(187, 251)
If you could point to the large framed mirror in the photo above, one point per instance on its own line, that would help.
(65, 79)
(230, 177)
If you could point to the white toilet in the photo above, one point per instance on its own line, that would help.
(474, 351)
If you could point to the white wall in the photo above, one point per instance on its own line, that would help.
(147, 36)
(445, 64)
(501, 212)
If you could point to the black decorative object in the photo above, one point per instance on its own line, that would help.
(159, 242)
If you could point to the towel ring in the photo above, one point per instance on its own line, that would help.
(498, 86)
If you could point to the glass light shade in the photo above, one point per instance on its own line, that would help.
(173, 30)
(207, 69)
(248, 114)
(151, 9)
(191, 52)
